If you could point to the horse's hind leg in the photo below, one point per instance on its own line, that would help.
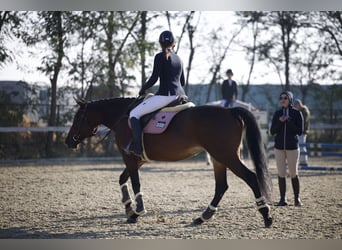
(221, 187)
(238, 168)
(126, 198)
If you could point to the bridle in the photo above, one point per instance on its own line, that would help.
(84, 119)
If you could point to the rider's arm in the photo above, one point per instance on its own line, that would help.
(155, 73)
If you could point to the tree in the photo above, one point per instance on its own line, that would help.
(189, 28)
(254, 21)
(9, 23)
(50, 28)
(142, 47)
(112, 44)
(330, 22)
(83, 64)
(220, 54)
(141, 44)
(279, 48)
(314, 61)
(310, 63)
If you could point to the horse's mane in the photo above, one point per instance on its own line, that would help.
(117, 100)
(112, 106)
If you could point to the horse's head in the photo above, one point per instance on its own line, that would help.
(82, 127)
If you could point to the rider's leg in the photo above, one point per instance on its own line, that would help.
(147, 106)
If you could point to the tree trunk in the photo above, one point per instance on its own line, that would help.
(191, 31)
(57, 67)
(217, 68)
(142, 49)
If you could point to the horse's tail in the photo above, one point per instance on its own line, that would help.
(256, 148)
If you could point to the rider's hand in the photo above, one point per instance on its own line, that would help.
(141, 92)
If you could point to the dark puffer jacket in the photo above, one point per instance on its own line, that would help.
(286, 133)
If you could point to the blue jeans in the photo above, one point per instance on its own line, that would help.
(303, 158)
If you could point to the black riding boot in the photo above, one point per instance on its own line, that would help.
(282, 190)
(135, 146)
(295, 186)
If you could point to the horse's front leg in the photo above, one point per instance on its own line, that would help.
(133, 168)
(126, 198)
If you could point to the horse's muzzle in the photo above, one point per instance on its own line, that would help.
(71, 143)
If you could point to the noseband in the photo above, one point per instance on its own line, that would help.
(84, 119)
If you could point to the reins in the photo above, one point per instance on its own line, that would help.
(84, 118)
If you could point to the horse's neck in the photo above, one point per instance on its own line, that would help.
(112, 110)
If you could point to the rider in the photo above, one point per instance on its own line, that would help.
(229, 90)
(168, 68)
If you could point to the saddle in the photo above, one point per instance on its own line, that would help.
(158, 121)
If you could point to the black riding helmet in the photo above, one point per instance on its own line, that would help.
(166, 38)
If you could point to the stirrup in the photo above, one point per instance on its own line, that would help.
(126, 149)
(133, 149)
(136, 154)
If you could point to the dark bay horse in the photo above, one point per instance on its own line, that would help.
(216, 130)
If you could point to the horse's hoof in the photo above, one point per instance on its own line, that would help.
(132, 220)
(130, 212)
(268, 221)
(198, 221)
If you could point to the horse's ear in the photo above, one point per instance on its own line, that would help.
(79, 101)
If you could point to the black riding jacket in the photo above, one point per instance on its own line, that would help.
(229, 92)
(286, 133)
(170, 73)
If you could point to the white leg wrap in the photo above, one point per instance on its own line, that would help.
(123, 185)
(204, 220)
(141, 212)
(138, 194)
(127, 202)
(261, 198)
(212, 208)
(261, 202)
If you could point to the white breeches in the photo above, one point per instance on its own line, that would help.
(151, 104)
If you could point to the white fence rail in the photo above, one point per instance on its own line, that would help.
(63, 129)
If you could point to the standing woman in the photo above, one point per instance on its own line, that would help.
(303, 158)
(168, 68)
(287, 125)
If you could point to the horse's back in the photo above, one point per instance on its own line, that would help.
(193, 130)
(209, 118)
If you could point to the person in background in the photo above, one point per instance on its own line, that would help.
(303, 158)
(229, 90)
(287, 125)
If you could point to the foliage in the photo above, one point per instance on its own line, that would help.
(98, 54)
(11, 114)
(9, 23)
